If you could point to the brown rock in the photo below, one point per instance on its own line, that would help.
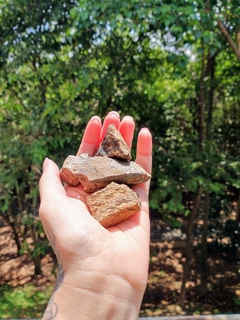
(95, 173)
(113, 204)
(113, 145)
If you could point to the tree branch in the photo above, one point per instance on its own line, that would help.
(229, 39)
(14, 93)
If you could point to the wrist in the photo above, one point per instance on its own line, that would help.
(96, 296)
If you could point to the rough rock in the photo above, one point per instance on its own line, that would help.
(95, 173)
(106, 176)
(113, 204)
(113, 145)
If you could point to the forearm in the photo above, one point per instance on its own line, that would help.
(96, 297)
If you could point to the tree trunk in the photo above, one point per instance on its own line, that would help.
(15, 231)
(235, 48)
(201, 107)
(204, 254)
(236, 235)
(210, 72)
(37, 264)
(202, 103)
(189, 246)
(36, 256)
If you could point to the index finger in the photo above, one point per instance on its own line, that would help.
(91, 136)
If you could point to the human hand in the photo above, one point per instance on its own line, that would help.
(102, 272)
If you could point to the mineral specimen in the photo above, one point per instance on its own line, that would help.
(95, 173)
(107, 176)
(113, 145)
(113, 204)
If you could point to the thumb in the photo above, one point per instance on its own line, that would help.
(50, 186)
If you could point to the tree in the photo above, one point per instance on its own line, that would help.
(172, 65)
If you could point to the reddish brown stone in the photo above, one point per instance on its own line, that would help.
(113, 204)
(113, 145)
(95, 173)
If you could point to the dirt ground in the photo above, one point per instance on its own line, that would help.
(165, 275)
(164, 284)
(19, 270)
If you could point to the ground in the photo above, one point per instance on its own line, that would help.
(165, 275)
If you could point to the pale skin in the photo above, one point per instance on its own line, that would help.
(102, 272)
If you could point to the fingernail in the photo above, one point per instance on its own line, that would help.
(45, 163)
(97, 118)
(128, 117)
(115, 113)
(144, 128)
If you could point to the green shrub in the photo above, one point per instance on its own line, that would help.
(23, 302)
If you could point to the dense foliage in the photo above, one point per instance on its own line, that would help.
(23, 302)
(173, 65)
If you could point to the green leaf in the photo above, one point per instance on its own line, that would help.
(73, 13)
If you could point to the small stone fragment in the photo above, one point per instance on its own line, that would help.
(113, 204)
(70, 167)
(113, 145)
(95, 173)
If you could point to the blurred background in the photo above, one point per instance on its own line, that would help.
(173, 66)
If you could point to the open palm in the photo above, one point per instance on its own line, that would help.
(95, 259)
